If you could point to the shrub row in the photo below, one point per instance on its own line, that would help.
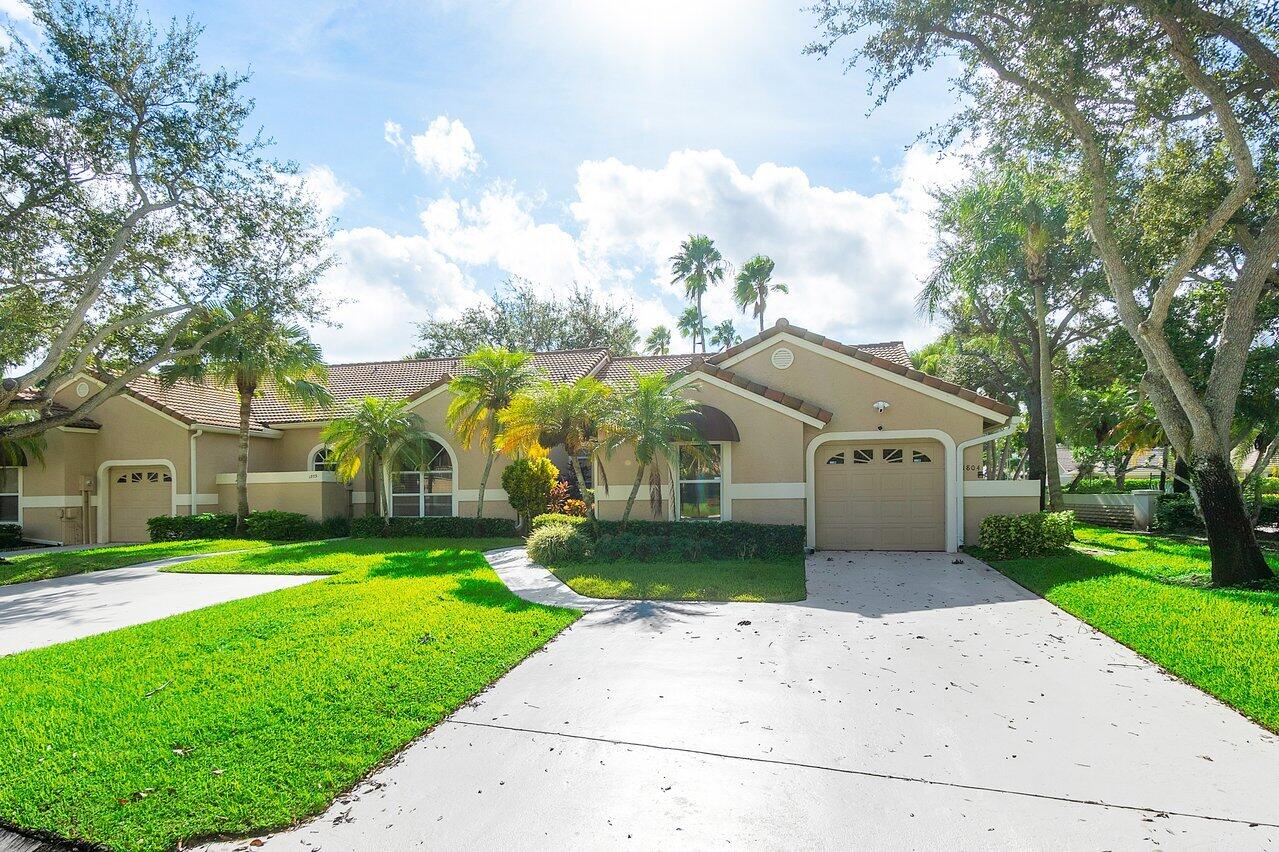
(1177, 513)
(653, 539)
(10, 535)
(270, 525)
(1017, 536)
(372, 526)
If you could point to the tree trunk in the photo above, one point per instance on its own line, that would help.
(1236, 558)
(1180, 476)
(484, 477)
(1165, 457)
(1048, 424)
(701, 326)
(246, 391)
(1121, 471)
(1034, 429)
(761, 317)
(630, 501)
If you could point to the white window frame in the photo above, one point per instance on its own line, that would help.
(421, 493)
(17, 494)
(315, 451)
(725, 507)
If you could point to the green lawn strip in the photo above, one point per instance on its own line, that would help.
(1150, 593)
(39, 565)
(780, 579)
(251, 714)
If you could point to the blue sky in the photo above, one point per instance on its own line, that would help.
(457, 143)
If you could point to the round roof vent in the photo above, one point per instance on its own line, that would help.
(783, 357)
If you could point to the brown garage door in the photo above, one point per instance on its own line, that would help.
(138, 493)
(889, 496)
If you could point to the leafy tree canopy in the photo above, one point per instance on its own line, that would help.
(134, 197)
(526, 317)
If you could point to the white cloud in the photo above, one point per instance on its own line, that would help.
(329, 192)
(499, 228)
(17, 10)
(388, 282)
(444, 148)
(853, 261)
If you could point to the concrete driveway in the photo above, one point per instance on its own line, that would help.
(46, 612)
(909, 703)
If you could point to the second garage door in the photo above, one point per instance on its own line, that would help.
(138, 493)
(889, 496)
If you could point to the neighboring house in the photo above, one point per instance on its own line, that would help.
(850, 441)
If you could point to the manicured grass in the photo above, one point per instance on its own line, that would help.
(779, 579)
(39, 565)
(251, 714)
(1151, 593)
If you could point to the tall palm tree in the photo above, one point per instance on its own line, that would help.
(753, 284)
(659, 341)
(549, 414)
(373, 429)
(693, 325)
(1037, 239)
(725, 336)
(697, 265)
(491, 377)
(256, 354)
(652, 420)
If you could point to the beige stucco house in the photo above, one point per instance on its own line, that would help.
(850, 441)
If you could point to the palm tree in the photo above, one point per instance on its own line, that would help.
(692, 324)
(652, 420)
(15, 452)
(725, 336)
(373, 429)
(659, 341)
(753, 284)
(697, 265)
(255, 354)
(549, 414)
(492, 377)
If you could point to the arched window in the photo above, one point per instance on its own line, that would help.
(423, 484)
(322, 459)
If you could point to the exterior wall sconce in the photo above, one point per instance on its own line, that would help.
(880, 405)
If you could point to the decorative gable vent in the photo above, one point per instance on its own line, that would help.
(783, 357)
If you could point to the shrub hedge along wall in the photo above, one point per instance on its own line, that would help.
(680, 539)
(1017, 536)
(268, 526)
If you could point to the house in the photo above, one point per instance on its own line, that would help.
(851, 441)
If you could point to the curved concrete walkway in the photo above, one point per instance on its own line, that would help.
(46, 612)
(909, 703)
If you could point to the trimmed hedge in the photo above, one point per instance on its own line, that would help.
(183, 527)
(1176, 513)
(268, 525)
(10, 535)
(557, 544)
(551, 518)
(688, 540)
(1017, 536)
(274, 525)
(372, 526)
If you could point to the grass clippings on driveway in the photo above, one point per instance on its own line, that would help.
(251, 714)
(1151, 593)
(772, 580)
(46, 565)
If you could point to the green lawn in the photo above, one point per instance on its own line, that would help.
(43, 565)
(1151, 593)
(251, 714)
(780, 579)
